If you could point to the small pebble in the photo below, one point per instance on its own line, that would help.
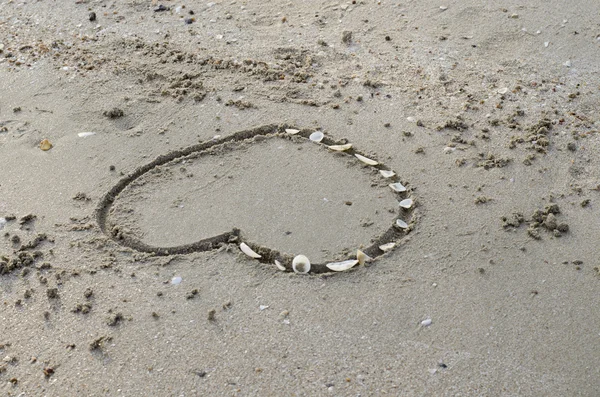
(426, 323)
(176, 280)
(92, 16)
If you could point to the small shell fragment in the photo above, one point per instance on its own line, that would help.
(426, 323)
(387, 247)
(340, 148)
(411, 119)
(248, 251)
(301, 264)
(176, 280)
(316, 136)
(45, 145)
(366, 160)
(387, 174)
(401, 224)
(279, 265)
(398, 187)
(292, 131)
(406, 203)
(362, 257)
(85, 134)
(341, 266)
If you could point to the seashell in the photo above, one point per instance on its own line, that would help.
(85, 134)
(45, 145)
(411, 119)
(387, 247)
(398, 187)
(406, 203)
(426, 322)
(341, 266)
(301, 264)
(387, 174)
(366, 160)
(340, 148)
(176, 280)
(362, 257)
(401, 224)
(279, 265)
(248, 251)
(316, 136)
(292, 131)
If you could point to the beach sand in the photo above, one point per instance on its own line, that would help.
(114, 281)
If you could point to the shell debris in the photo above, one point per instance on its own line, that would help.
(342, 266)
(292, 131)
(340, 148)
(45, 145)
(387, 173)
(406, 203)
(398, 187)
(316, 136)
(365, 160)
(301, 264)
(85, 134)
(248, 251)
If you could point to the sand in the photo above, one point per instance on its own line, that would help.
(488, 114)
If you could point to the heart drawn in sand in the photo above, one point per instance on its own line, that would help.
(297, 189)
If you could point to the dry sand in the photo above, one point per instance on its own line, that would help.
(487, 111)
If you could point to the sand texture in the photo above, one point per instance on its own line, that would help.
(142, 142)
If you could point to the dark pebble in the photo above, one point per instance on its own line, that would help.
(161, 8)
(92, 16)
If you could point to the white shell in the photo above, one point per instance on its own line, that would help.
(386, 173)
(85, 134)
(341, 266)
(366, 160)
(406, 203)
(387, 247)
(340, 148)
(426, 323)
(301, 264)
(316, 136)
(362, 257)
(176, 280)
(401, 224)
(411, 119)
(279, 265)
(292, 131)
(398, 187)
(248, 251)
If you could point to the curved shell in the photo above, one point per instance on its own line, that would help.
(387, 173)
(301, 264)
(362, 257)
(401, 224)
(316, 136)
(365, 160)
(387, 247)
(292, 131)
(398, 187)
(279, 265)
(341, 266)
(406, 203)
(248, 251)
(340, 148)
